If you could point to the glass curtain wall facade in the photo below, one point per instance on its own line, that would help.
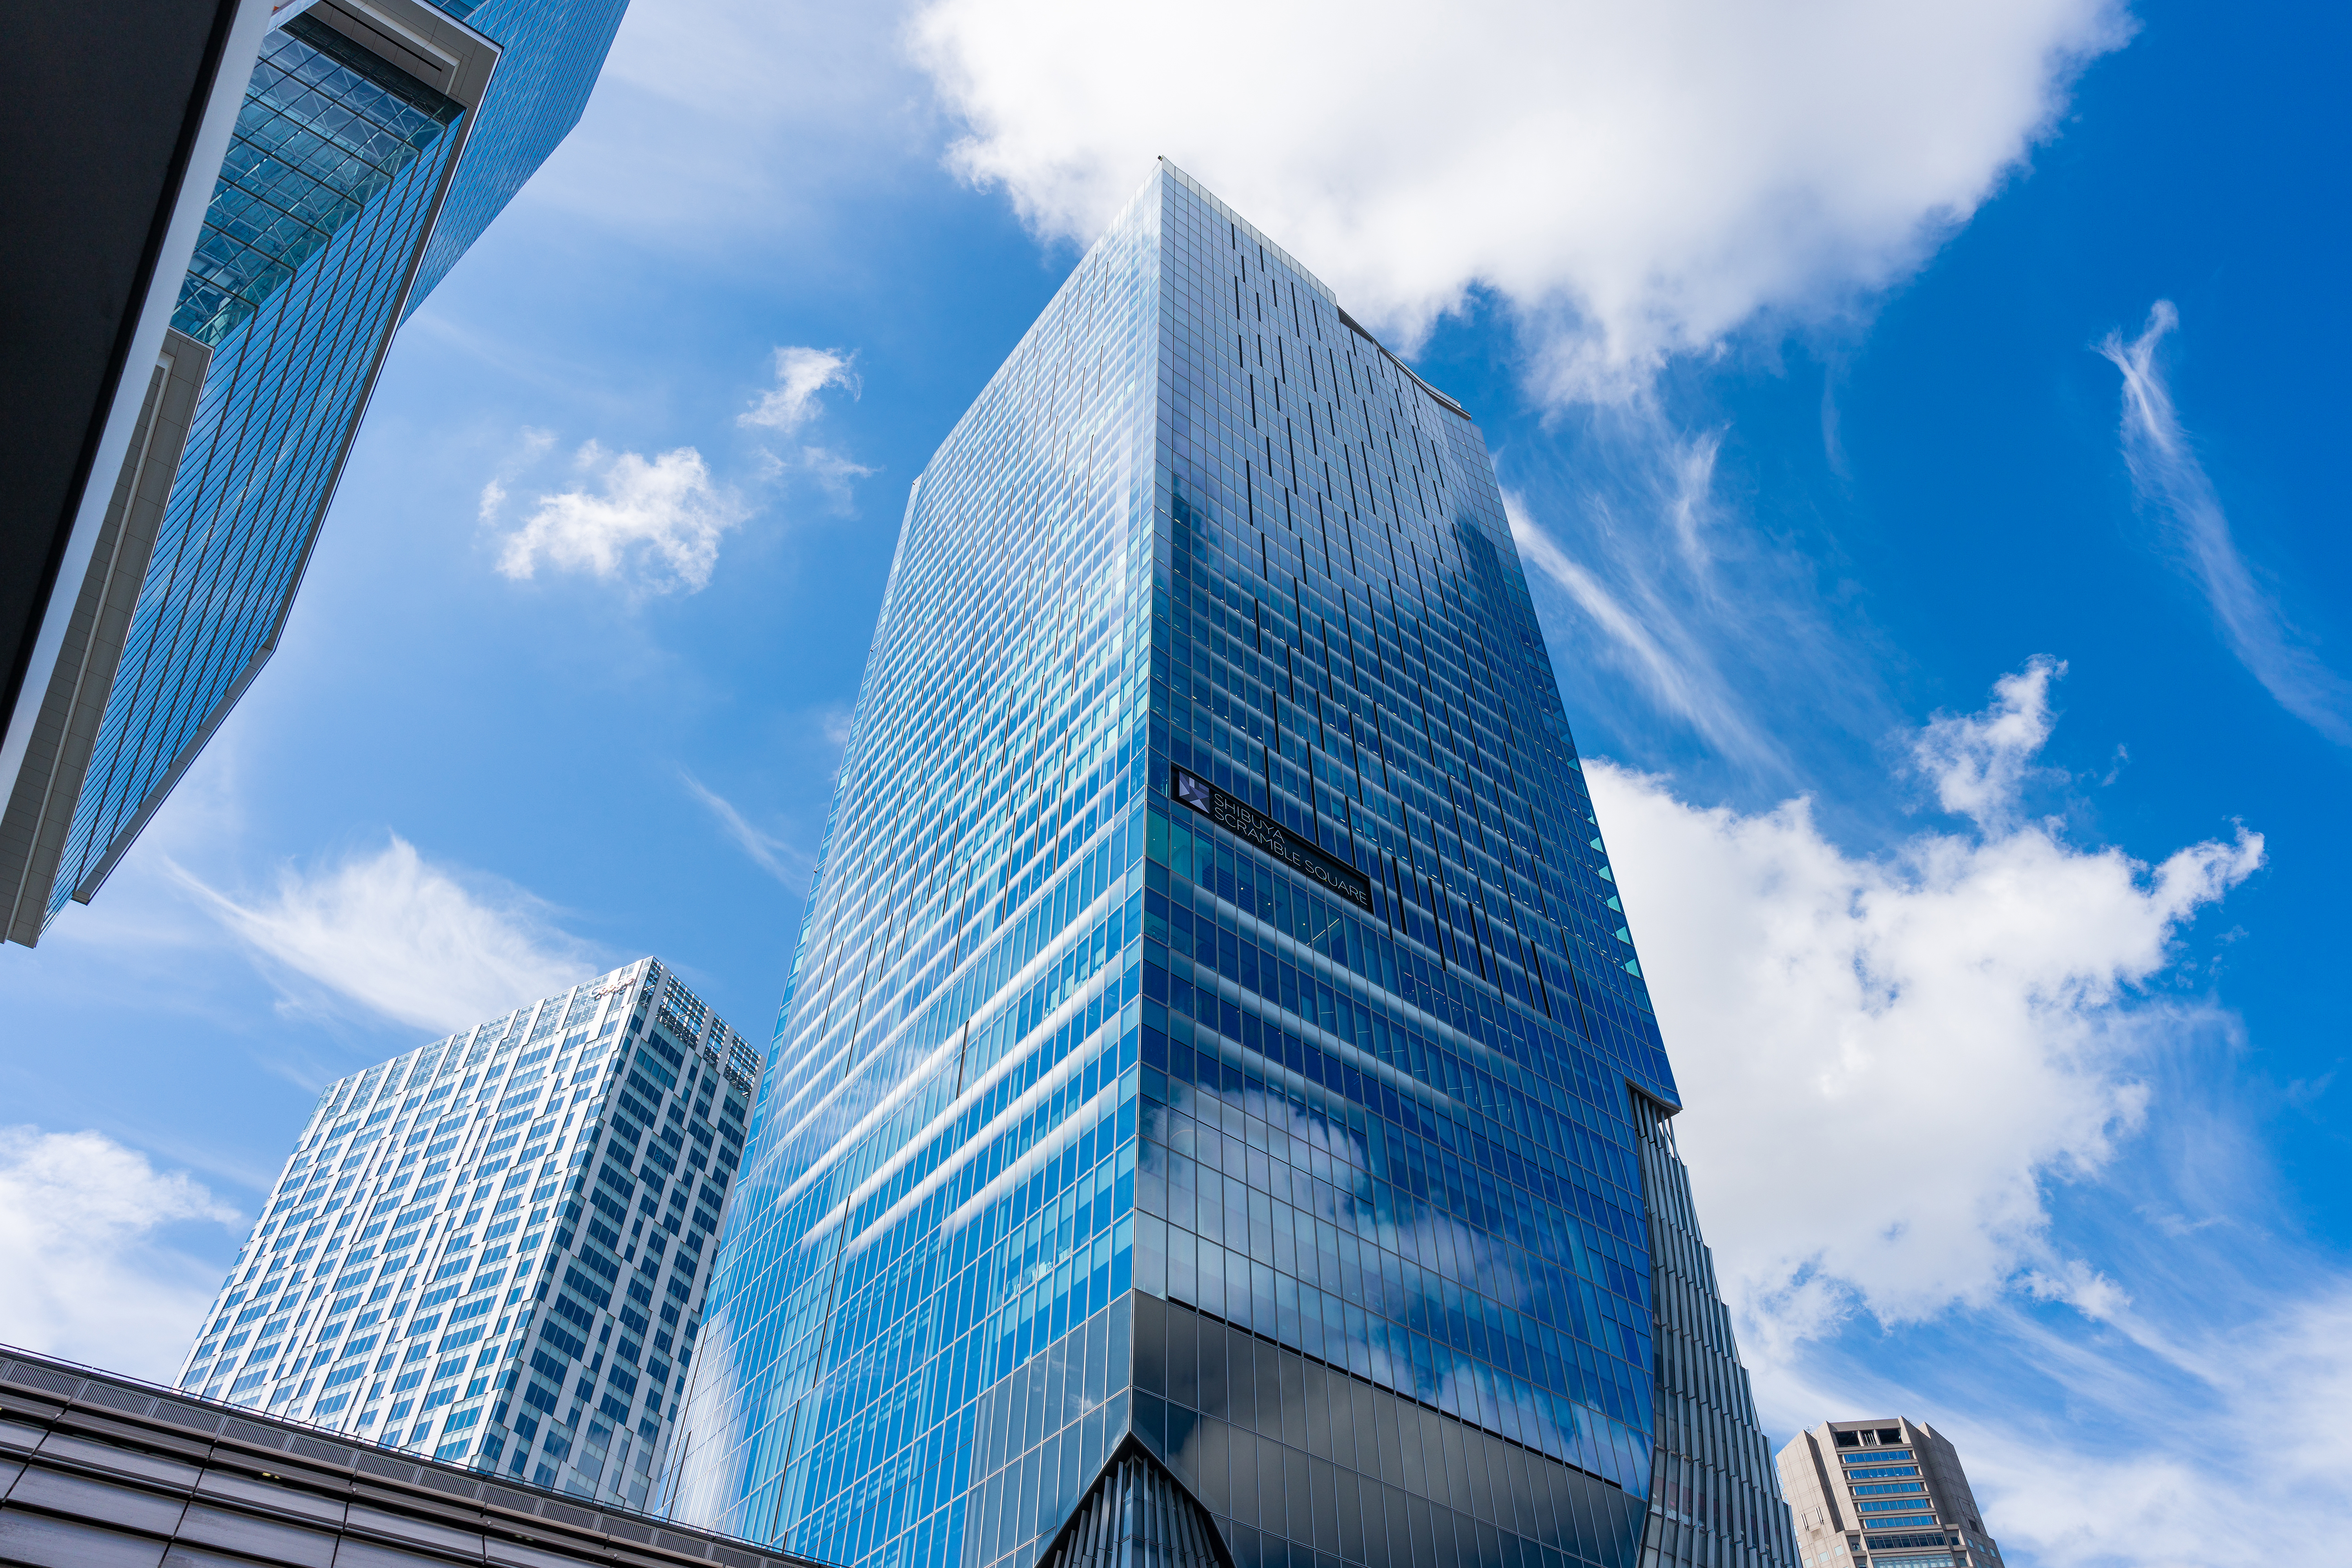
(488, 1250)
(554, 52)
(1214, 1039)
(338, 162)
(351, 185)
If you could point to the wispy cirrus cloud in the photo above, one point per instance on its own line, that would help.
(1639, 566)
(2149, 1439)
(1647, 636)
(834, 473)
(721, 124)
(402, 937)
(654, 522)
(777, 856)
(2173, 484)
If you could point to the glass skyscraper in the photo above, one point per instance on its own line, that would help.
(377, 138)
(490, 1249)
(1216, 1111)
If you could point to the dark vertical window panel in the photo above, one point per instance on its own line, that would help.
(1349, 1496)
(1322, 1487)
(1420, 1532)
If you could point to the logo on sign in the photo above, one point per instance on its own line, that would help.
(1255, 827)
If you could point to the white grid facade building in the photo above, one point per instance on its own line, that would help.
(492, 1249)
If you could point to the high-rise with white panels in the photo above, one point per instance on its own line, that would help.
(492, 1249)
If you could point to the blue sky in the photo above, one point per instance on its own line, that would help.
(1974, 701)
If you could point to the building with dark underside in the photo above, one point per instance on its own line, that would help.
(1216, 1109)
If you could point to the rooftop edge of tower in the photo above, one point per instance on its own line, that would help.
(1169, 167)
(1256, 233)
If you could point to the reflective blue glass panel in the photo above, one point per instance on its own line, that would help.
(321, 234)
(1213, 1036)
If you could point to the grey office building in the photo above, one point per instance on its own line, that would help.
(1885, 1492)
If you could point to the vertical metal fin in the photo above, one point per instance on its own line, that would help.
(1138, 1516)
(1715, 1492)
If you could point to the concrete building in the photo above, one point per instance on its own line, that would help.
(100, 1471)
(1882, 1493)
(492, 1249)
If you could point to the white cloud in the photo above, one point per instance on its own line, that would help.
(1975, 994)
(801, 375)
(777, 857)
(88, 1276)
(834, 473)
(405, 938)
(1980, 761)
(1639, 180)
(657, 523)
(2171, 480)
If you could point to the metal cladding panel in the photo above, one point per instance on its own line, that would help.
(104, 113)
(1138, 1516)
(100, 1470)
(1714, 1495)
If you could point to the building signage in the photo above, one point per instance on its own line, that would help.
(1255, 827)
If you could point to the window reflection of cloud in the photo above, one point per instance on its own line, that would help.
(1354, 1197)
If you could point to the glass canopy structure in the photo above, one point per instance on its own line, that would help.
(376, 141)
